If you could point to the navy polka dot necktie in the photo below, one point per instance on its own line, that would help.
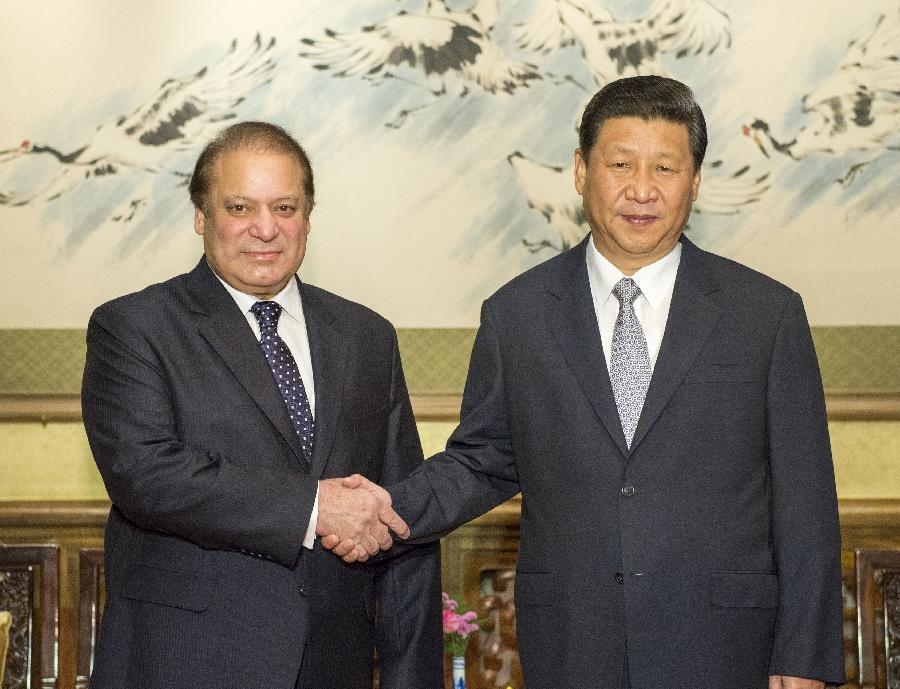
(286, 373)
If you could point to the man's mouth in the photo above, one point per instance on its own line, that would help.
(639, 220)
(264, 255)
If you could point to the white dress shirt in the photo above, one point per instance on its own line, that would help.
(291, 329)
(656, 281)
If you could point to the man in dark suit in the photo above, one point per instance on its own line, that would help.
(660, 409)
(217, 404)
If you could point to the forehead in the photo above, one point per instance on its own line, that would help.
(246, 171)
(652, 136)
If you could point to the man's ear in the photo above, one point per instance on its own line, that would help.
(199, 221)
(695, 186)
(580, 171)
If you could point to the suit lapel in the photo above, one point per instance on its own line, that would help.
(573, 322)
(692, 317)
(225, 328)
(328, 351)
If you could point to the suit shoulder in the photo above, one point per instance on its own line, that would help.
(538, 277)
(737, 277)
(344, 309)
(145, 302)
(748, 295)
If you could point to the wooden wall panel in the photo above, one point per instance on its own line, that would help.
(482, 554)
(478, 565)
(29, 590)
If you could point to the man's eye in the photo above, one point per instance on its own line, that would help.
(285, 208)
(620, 164)
(237, 208)
(663, 168)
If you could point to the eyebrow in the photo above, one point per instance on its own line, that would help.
(241, 197)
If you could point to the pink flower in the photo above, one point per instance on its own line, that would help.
(457, 625)
(449, 603)
(466, 625)
(451, 622)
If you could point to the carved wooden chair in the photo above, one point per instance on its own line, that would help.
(91, 600)
(29, 590)
(497, 664)
(5, 623)
(874, 601)
(878, 618)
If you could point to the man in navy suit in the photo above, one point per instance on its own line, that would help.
(218, 404)
(660, 409)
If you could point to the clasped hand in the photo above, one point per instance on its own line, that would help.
(356, 519)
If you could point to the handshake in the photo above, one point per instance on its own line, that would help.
(356, 518)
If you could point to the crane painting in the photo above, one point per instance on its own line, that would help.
(178, 117)
(442, 133)
(857, 108)
(449, 49)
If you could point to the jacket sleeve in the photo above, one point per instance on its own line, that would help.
(408, 585)
(805, 531)
(158, 479)
(477, 471)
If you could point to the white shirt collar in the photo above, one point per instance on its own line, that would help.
(655, 280)
(288, 298)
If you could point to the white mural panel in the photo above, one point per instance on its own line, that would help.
(441, 134)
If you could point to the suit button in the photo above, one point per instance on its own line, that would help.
(620, 578)
(628, 490)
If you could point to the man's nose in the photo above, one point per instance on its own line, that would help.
(641, 187)
(265, 224)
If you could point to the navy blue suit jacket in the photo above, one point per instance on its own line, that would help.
(207, 583)
(709, 551)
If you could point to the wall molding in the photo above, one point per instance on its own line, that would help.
(854, 513)
(53, 513)
(436, 360)
(56, 408)
(50, 408)
(863, 406)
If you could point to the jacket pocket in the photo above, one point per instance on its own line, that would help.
(743, 590)
(532, 588)
(171, 587)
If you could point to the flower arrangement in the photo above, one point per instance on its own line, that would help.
(458, 624)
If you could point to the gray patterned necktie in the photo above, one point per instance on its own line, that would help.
(629, 370)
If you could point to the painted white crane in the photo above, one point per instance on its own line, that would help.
(613, 49)
(856, 109)
(450, 49)
(179, 117)
(545, 31)
(550, 190)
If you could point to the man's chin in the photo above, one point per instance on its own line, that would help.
(644, 243)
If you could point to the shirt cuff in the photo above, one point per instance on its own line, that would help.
(310, 537)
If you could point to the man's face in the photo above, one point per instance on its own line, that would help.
(638, 185)
(254, 231)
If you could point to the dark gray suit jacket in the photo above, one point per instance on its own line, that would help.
(709, 552)
(207, 582)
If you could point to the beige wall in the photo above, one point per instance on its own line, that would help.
(53, 461)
